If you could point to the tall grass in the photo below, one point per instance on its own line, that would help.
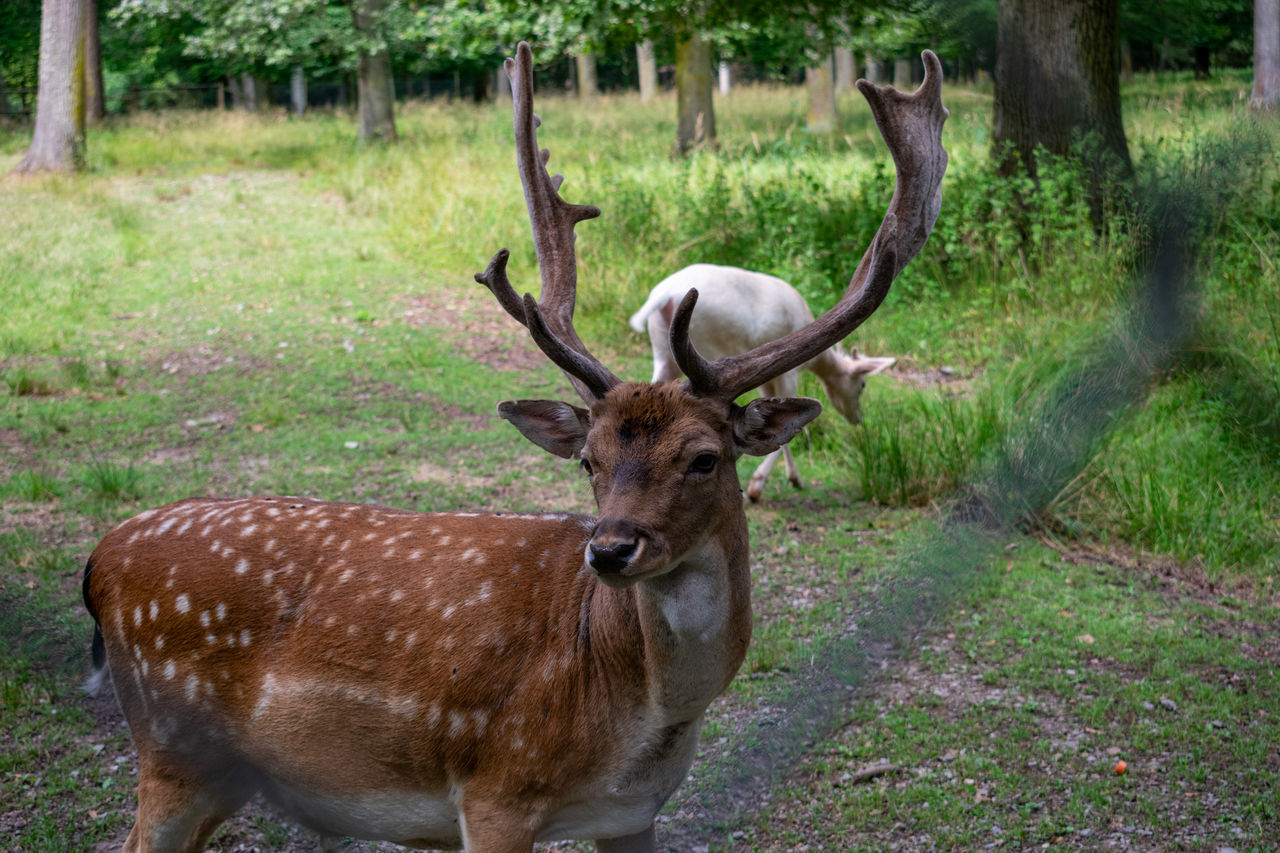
(1009, 290)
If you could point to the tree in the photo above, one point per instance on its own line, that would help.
(1266, 56)
(695, 107)
(1058, 83)
(58, 142)
(95, 95)
(819, 80)
(647, 70)
(376, 96)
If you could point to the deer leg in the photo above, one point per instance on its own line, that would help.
(756, 487)
(793, 473)
(490, 830)
(178, 808)
(641, 842)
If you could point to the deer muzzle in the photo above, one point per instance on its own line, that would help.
(615, 547)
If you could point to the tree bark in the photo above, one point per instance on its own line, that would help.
(95, 95)
(695, 110)
(647, 63)
(248, 93)
(902, 75)
(846, 70)
(1058, 81)
(502, 84)
(820, 84)
(1266, 56)
(298, 90)
(375, 89)
(588, 84)
(58, 141)
(875, 70)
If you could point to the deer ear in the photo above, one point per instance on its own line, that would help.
(767, 423)
(870, 365)
(554, 426)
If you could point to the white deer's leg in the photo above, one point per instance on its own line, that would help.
(641, 842)
(756, 487)
(793, 473)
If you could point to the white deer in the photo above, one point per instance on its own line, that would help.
(738, 310)
(479, 680)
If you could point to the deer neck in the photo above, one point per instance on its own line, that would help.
(828, 364)
(694, 624)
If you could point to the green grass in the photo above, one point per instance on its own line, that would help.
(232, 305)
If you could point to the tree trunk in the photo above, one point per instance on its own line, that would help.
(298, 90)
(1266, 56)
(875, 69)
(820, 84)
(1202, 55)
(58, 142)
(902, 75)
(724, 77)
(648, 68)
(248, 93)
(1058, 80)
(695, 110)
(95, 107)
(1126, 61)
(588, 86)
(375, 89)
(846, 70)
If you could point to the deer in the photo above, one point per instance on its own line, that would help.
(479, 680)
(739, 310)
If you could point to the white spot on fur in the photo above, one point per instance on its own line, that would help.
(244, 637)
(248, 531)
(221, 610)
(267, 577)
(183, 603)
(457, 722)
(242, 566)
(448, 611)
(159, 641)
(137, 616)
(192, 684)
(154, 610)
(170, 669)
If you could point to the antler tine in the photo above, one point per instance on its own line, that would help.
(553, 221)
(911, 125)
(495, 278)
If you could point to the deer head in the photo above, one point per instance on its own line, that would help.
(484, 680)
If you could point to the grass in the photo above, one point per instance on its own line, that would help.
(232, 305)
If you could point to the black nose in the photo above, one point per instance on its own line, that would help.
(612, 558)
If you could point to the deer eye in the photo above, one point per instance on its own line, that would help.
(586, 466)
(704, 463)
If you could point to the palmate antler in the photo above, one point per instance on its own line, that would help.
(549, 319)
(912, 128)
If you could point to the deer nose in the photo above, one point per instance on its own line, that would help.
(612, 546)
(610, 559)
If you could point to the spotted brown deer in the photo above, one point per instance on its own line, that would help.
(739, 310)
(486, 680)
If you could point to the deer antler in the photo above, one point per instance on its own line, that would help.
(550, 318)
(912, 128)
